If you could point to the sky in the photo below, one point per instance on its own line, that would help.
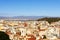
(30, 8)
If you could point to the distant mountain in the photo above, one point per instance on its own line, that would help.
(37, 18)
(28, 17)
(23, 17)
(2, 17)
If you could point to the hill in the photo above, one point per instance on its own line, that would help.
(49, 19)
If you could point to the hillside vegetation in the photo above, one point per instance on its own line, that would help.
(49, 19)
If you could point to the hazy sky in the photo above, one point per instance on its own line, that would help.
(30, 8)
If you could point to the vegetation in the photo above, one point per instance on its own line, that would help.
(4, 36)
(49, 19)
